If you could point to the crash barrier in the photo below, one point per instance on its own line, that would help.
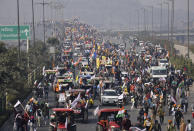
(2, 103)
(34, 75)
(5, 113)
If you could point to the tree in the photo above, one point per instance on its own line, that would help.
(53, 41)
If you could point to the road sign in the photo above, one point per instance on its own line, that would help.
(11, 32)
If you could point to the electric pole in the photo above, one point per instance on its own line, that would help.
(43, 15)
(18, 22)
(172, 26)
(188, 30)
(33, 23)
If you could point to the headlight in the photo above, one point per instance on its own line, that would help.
(113, 128)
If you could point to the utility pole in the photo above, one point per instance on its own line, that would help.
(152, 22)
(188, 30)
(172, 26)
(33, 23)
(167, 3)
(161, 22)
(138, 22)
(43, 11)
(144, 16)
(18, 22)
(168, 20)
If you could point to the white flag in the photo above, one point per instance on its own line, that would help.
(74, 103)
(172, 99)
(43, 70)
(86, 104)
(121, 96)
(123, 85)
(92, 77)
(66, 123)
(96, 111)
(17, 104)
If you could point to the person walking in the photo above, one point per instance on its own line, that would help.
(170, 126)
(157, 126)
(18, 122)
(39, 115)
(182, 125)
(161, 114)
(178, 117)
(189, 126)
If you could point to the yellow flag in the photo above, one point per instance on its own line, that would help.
(97, 63)
(77, 78)
(99, 47)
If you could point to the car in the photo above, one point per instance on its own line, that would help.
(62, 119)
(109, 96)
(163, 62)
(107, 120)
(158, 72)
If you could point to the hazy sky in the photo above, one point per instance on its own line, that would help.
(97, 12)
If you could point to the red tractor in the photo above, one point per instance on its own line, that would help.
(62, 119)
(107, 120)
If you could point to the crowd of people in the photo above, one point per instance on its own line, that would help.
(153, 97)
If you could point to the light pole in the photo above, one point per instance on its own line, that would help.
(152, 22)
(161, 21)
(33, 27)
(188, 28)
(144, 17)
(18, 22)
(172, 25)
(43, 11)
(152, 10)
(138, 22)
(168, 17)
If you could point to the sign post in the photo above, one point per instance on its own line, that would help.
(9, 32)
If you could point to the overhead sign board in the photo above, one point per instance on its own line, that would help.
(11, 32)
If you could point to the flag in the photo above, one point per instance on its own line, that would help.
(17, 104)
(66, 123)
(121, 96)
(92, 77)
(43, 70)
(94, 55)
(121, 112)
(74, 103)
(123, 85)
(77, 78)
(97, 63)
(86, 104)
(173, 100)
(96, 110)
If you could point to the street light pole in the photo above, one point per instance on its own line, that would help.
(172, 25)
(144, 17)
(138, 22)
(152, 23)
(43, 11)
(167, 3)
(188, 29)
(18, 22)
(161, 22)
(43, 20)
(33, 22)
